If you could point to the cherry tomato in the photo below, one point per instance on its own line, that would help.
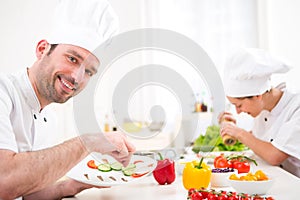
(204, 193)
(223, 197)
(257, 198)
(233, 197)
(242, 167)
(91, 164)
(191, 191)
(269, 198)
(217, 158)
(221, 162)
(212, 196)
(196, 196)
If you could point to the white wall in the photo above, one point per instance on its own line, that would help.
(280, 34)
(24, 23)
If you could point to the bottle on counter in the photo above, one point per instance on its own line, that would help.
(106, 124)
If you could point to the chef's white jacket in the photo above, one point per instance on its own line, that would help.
(281, 127)
(23, 127)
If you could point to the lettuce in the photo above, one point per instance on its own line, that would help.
(212, 141)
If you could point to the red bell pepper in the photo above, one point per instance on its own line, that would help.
(164, 173)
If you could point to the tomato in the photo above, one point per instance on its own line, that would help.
(257, 198)
(191, 191)
(269, 198)
(223, 197)
(217, 158)
(204, 193)
(212, 196)
(261, 175)
(196, 196)
(221, 162)
(233, 197)
(244, 197)
(242, 167)
(91, 164)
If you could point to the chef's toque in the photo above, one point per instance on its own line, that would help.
(248, 72)
(83, 23)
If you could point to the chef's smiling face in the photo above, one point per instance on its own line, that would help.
(63, 72)
(250, 105)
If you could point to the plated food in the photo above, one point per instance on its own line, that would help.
(104, 170)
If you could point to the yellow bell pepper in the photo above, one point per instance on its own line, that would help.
(196, 175)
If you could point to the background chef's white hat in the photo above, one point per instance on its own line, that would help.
(83, 23)
(248, 72)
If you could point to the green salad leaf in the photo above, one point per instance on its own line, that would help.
(212, 141)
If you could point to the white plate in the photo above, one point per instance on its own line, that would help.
(82, 173)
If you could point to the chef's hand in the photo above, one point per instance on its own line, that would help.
(228, 128)
(72, 187)
(226, 117)
(59, 190)
(113, 143)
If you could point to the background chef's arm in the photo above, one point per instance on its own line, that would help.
(28, 172)
(263, 149)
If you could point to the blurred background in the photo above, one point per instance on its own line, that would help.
(217, 26)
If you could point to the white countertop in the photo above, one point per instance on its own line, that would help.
(285, 187)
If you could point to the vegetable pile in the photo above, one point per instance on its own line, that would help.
(259, 175)
(239, 162)
(204, 194)
(212, 141)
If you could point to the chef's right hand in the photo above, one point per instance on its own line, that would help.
(226, 117)
(113, 143)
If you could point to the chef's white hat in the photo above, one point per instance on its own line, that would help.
(83, 23)
(248, 72)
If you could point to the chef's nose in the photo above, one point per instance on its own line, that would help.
(78, 74)
(238, 110)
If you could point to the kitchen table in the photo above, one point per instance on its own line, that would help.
(285, 187)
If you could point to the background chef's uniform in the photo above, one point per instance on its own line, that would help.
(248, 73)
(23, 125)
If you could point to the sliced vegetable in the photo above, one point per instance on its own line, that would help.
(138, 161)
(105, 167)
(137, 175)
(129, 170)
(116, 166)
(91, 164)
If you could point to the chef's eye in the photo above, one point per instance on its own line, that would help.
(89, 73)
(72, 59)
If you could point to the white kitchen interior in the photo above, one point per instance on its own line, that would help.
(217, 26)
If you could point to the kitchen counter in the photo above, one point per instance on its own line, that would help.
(285, 187)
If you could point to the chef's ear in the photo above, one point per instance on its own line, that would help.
(41, 48)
